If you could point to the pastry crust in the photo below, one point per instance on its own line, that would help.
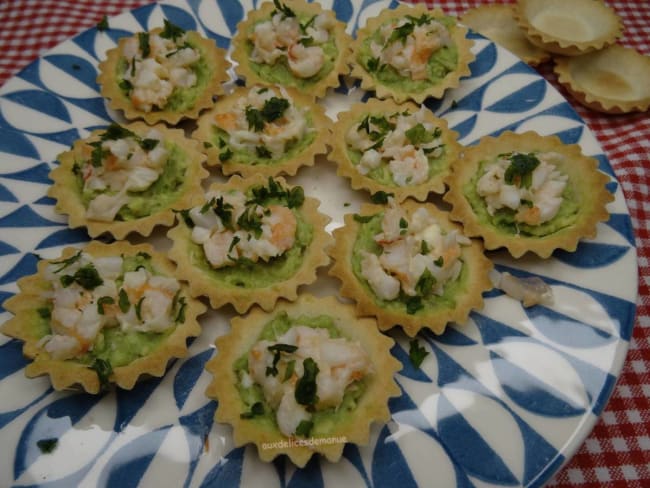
(372, 406)
(473, 280)
(207, 281)
(67, 191)
(497, 22)
(318, 129)
(569, 30)
(585, 187)
(213, 57)
(613, 80)
(318, 84)
(343, 154)
(434, 89)
(72, 373)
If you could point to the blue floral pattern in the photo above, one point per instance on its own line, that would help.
(503, 400)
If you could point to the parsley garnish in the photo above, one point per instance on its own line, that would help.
(263, 152)
(250, 221)
(402, 32)
(171, 31)
(103, 369)
(306, 387)
(274, 108)
(123, 301)
(148, 144)
(143, 40)
(182, 305)
(255, 119)
(362, 219)
(67, 262)
(381, 197)
(102, 301)
(520, 171)
(413, 304)
(223, 210)
(46, 446)
(419, 135)
(304, 428)
(86, 276)
(138, 309)
(288, 372)
(225, 156)
(256, 410)
(102, 25)
(425, 283)
(417, 353)
(277, 350)
(283, 9)
(44, 312)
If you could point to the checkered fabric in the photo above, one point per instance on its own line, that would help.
(617, 453)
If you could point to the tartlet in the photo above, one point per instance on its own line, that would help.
(292, 43)
(125, 179)
(400, 149)
(105, 314)
(613, 80)
(497, 22)
(569, 27)
(411, 52)
(528, 193)
(410, 266)
(250, 241)
(163, 75)
(267, 390)
(265, 130)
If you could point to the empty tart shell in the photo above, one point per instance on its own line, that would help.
(349, 424)
(613, 80)
(569, 27)
(211, 70)
(141, 211)
(301, 130)
(581, 203)
(93, 369)
(497, 22)
(336, 49)
(440, 66)
(249, 282)
(435, 161)
(461, 294)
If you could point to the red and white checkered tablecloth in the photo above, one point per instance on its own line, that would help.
(617, 452)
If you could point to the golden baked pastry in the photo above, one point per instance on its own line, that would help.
(411, 52)
(292, 43)
(613, 80)
(306, 379)
(166, 74)
(528, 193)
(265, 130)
(569, 27)
(400, 149)
(497, 22)
(409, 265)
(105, 314)
(125, 179)
(250, 241)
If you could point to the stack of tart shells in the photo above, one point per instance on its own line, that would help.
(580, 36)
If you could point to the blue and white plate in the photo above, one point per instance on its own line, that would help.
(502, 400)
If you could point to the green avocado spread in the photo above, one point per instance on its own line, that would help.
(324, 421)
(440, 64)
(412, 305)
(503, 219)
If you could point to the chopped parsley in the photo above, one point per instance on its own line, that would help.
(171, 31)
(381, 197)
(273, 109)
(86, 276)
(362, 219)
(102, 301)
(304, 428)
(123, 301)
(263, 152)
(143, 41)
(283, 9)
(103, 369)
(277, 350)
(256, 410)
(306, 387)
(520, 171)
(102, 25)
(47, 446)
(417, 353)
(67, 262)
(419, 135)
(425, 283)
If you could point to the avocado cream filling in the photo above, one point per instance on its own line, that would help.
(412, 305)
(253, 404)
(503, 219)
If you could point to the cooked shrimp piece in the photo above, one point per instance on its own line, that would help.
(283, 227)
(305, 62)
(217, 249)
(410, 167)
(384, 285)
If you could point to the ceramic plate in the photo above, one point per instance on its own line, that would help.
(502, 400)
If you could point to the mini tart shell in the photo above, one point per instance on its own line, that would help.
(372, 406)
(583, 175)
(320, 125)
(477, 281)
(69, 201)
(241, 56)
(567, 19)
(613, 80)
(68, 374)
(204, 283)
(451, 80)
(214, 57)
(497, 22)
(346, 168)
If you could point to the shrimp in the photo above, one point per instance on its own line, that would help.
(305, 62)
(410, 167)
(384, 285)
(218, 249)
(283, 227)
